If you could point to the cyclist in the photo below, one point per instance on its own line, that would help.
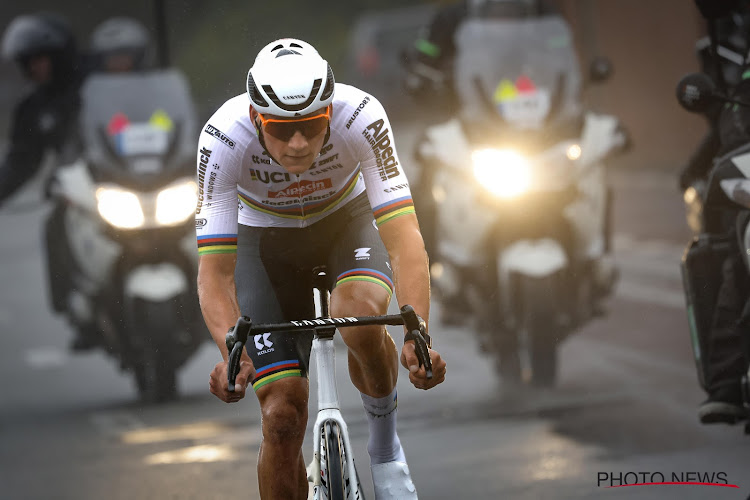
(300, 172)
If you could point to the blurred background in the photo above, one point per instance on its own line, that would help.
(72, 426)
(632, 34)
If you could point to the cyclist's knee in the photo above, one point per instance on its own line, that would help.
(284, 415)
(359, 298)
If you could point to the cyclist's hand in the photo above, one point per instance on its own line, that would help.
(220, 386)
(417, 374)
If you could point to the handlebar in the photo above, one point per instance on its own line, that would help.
(237, 336)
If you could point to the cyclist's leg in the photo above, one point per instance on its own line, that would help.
(272, 290)
(360, 269)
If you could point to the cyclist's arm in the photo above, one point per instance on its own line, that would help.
(393, 208)
(218, 167)
(218, 296)
(411, 277)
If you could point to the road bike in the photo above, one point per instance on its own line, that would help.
(332, 468)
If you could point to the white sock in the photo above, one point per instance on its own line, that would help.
(384, 445)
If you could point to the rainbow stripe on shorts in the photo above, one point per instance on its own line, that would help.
(276, 371)
(371, 275)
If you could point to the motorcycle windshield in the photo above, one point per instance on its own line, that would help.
(138, 126)
(521, 73)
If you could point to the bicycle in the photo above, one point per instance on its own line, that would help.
(333, 463)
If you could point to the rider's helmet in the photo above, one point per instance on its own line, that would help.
(289, 78)
(40, 34)
(120, 44)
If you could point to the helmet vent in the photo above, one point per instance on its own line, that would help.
(279, 46)
(252, 91)
(328, 89)
(296, 45)
(287, 52)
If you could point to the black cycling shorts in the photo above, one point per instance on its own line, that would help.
(274, 276)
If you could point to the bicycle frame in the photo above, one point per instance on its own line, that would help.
(328, 400)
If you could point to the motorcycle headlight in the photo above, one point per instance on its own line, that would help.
(120, 208)
(573, 152)
(176, 203)
(502, 172)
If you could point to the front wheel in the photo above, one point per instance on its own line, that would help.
(332, 463)
(542, 328)
(156, 380)
(154, 364)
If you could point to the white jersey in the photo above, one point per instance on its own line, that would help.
(239, 183)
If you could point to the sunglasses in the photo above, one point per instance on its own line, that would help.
(284, 129)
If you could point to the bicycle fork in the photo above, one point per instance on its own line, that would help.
(328, 410)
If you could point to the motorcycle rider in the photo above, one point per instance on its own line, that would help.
(729, 128)
(44, 48)
(120, 45)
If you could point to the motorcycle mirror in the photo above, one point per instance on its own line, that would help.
(696, 92)
(601, 69)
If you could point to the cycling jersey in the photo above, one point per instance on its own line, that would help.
(240, 183)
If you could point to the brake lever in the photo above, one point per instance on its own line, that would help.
(422, 349)
(417, 331)
(235, 340)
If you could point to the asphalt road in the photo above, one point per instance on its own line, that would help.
(71, 427)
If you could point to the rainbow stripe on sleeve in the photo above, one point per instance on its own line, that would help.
(371, 275)
(276, 371)
(217, 243)
(394, 208)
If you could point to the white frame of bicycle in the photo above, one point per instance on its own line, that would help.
(328, 409)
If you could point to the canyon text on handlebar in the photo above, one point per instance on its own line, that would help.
(416, 331)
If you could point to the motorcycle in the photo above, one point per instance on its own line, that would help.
(513, 198)
(127, 206)
(718, 212)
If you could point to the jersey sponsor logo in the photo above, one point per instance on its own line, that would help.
(211, 130)
(362, 253)
(395, 188)
(302, 188)
(257, 159)
(326, 149)
(203, 165)
(357, 111)
(380, 141)
(328, 160)
(328, 168)
(265, 177)
(199, 223)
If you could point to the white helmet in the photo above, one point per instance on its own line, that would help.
(289, 78)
